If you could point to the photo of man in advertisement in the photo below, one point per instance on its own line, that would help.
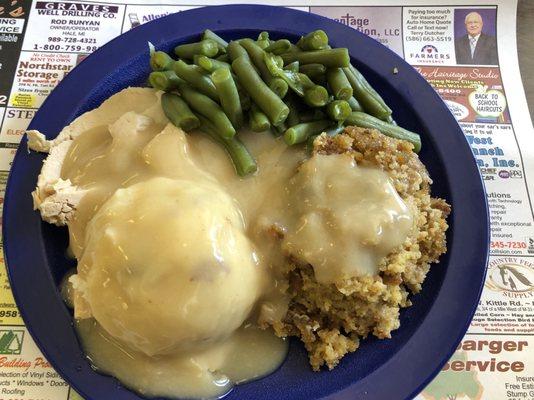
(475, 43)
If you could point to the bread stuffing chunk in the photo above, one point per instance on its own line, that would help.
(330, 318)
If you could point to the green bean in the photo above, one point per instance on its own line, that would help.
(293, 116)
(263, 43)
(228, 95)
(361, 93)
(338, 110)
(291, 79)
(315, 72)
(312, 69)
(258, 121)
(316, 96)
(206, 47)
(301, 132)
(371, 90)
(301, 84)
(223, 57)
(293, 67)
(221, 43)
(316, 40)
(305, 80)
(279, 47)
(198, 69)
(244, 98)
(263, 35)
(363, 120)
(244, 163)
(330, 58)
(178, 112)
(339, 84)
(279, 87)
(235, 50)
(209, 64)
(263, 40)
(205, 106)
(391, 121)
(336, 130)
(259, 92)
(160, 61)
(354, 104)
(294, 49)
(196, 79)
(257, 55)
(279, 61)
(163, 80)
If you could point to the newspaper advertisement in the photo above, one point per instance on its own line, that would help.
(42, 41)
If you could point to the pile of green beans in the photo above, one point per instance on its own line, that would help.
(297, 90)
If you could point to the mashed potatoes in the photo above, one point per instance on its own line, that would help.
(160, 260)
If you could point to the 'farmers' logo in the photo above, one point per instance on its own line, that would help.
(429, 49)
(11, 341)
(514, 280)
(430, 52)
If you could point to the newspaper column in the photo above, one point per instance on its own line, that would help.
(455, 50)
(41, 44)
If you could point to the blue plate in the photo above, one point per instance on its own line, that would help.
(381, 369)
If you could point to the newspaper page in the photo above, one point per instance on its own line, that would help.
(42, 41)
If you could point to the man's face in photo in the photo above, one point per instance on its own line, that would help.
(473, 24)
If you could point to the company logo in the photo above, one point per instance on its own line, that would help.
(513, 280)
(516, 174)
(505, 174)
(430, 52)
(429, 49)
(11, 341)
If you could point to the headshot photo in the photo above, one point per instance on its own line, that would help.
(474, 34)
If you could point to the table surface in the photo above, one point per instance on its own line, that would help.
(525, 48)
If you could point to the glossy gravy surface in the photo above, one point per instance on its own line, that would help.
(178, 258)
